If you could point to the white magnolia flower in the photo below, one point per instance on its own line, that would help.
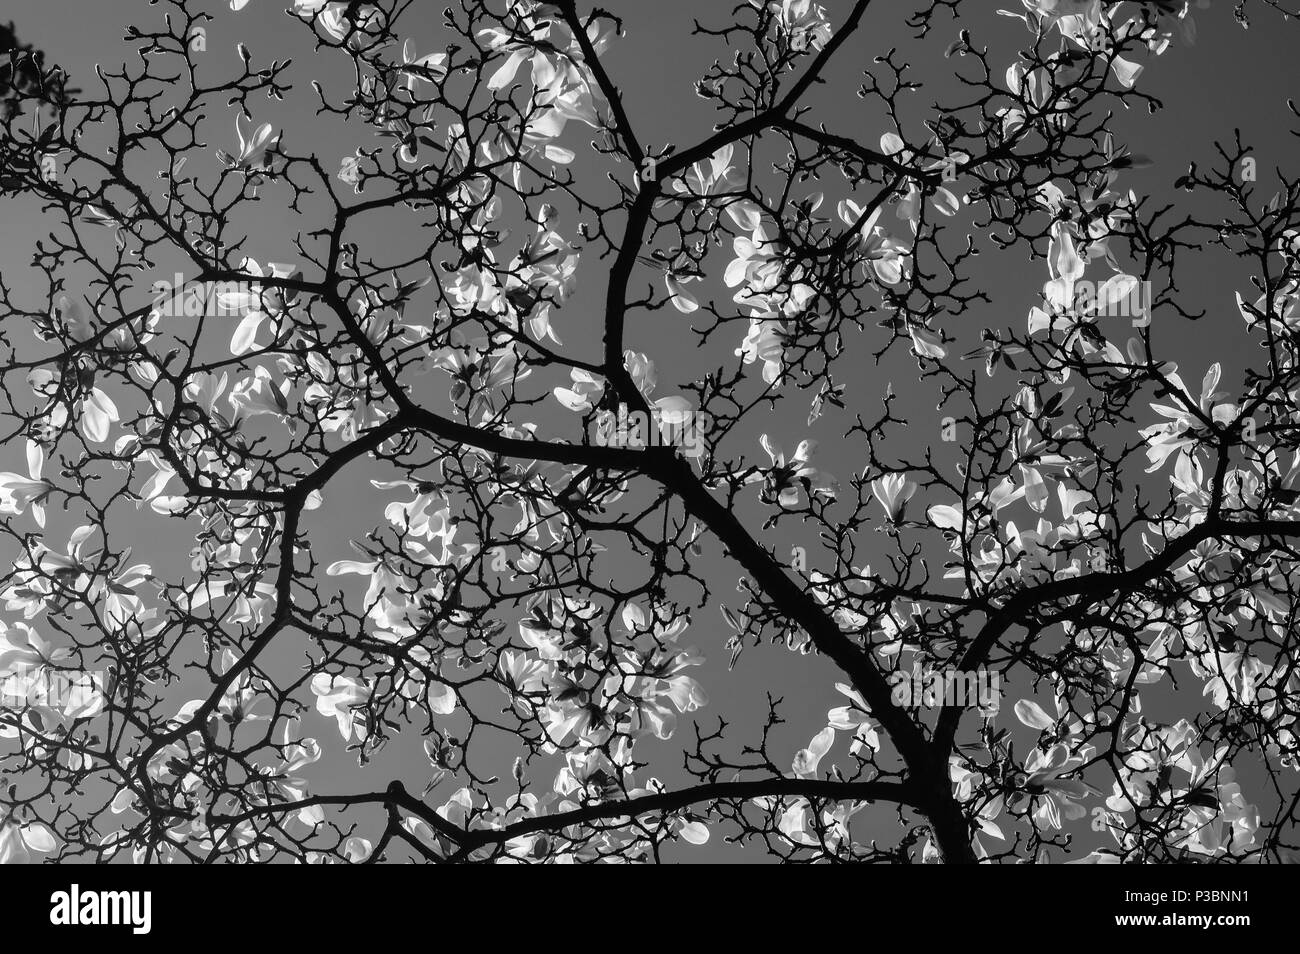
(17, 840)
(893, 491)
(93, 409)
(756, 267)
(586, 389)
(18, 492)
(787, 479)
(256, 302)
(1045, 789)
(766, 343)
(255, 148)
(854, 718)
(884, 254)
(561, 91)
(338, 697)
(418, 70)
(260, 395)
(806, 760)
(1178, 434)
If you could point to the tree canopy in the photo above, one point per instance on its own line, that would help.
(571, 378)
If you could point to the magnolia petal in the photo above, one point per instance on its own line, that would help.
(945, 517)
(945, 202)
(442, 698)
(926, 343)
(806, 760)
(505, 74)
(745, 214)
(682, 300)
(38, 837)
(697, 833)
(1032, 715)
(1115, 289)
(1126, 71)
(350, 566)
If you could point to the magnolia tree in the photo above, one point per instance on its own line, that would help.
(1102, 540)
